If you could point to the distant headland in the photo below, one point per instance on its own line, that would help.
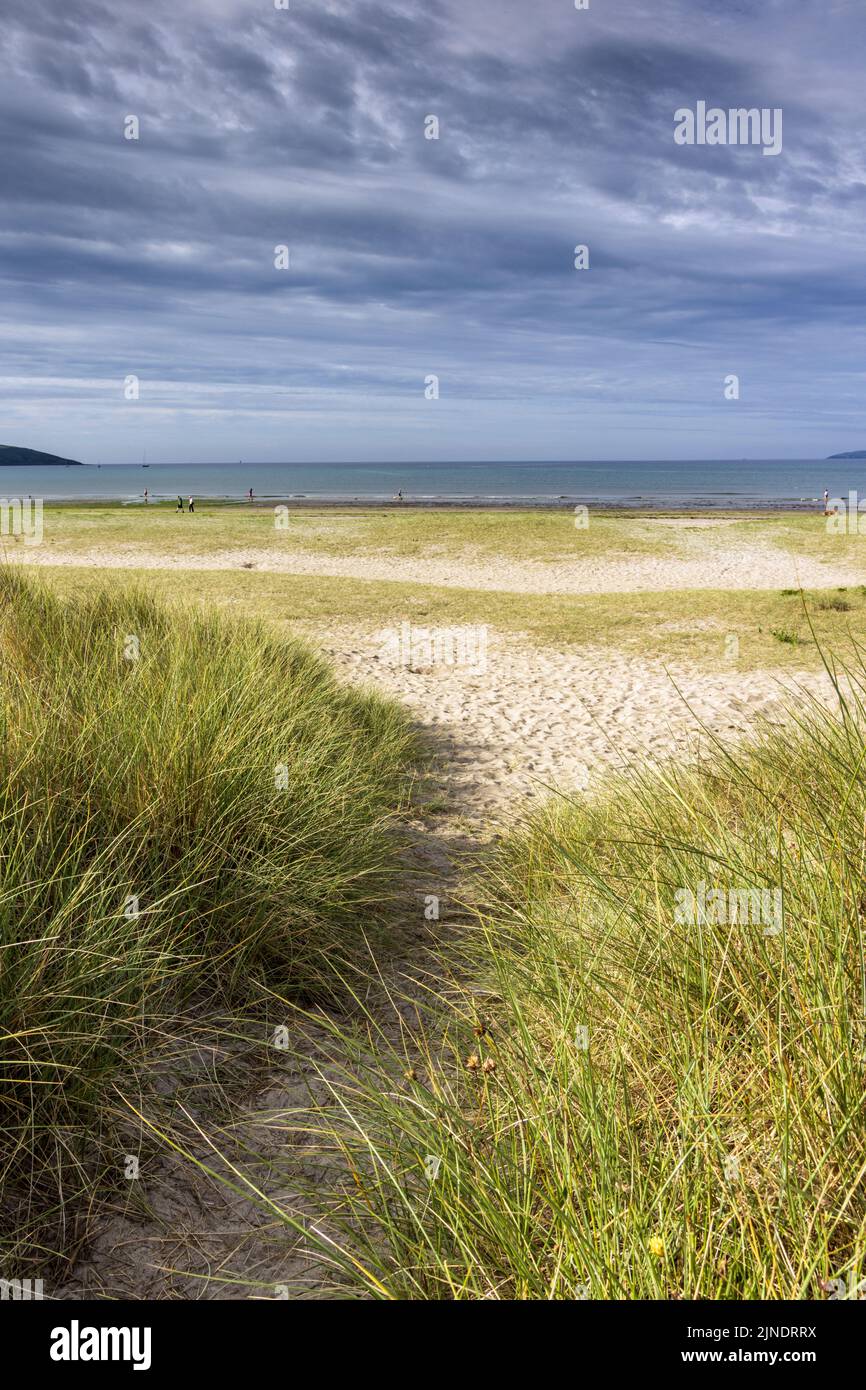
(853, 454)
(11, 456)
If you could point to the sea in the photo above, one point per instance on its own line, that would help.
(776, 483)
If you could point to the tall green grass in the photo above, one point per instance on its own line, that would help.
(188, 809)
(627, 1104)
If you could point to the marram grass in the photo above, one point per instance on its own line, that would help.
(187, 808)
(618, 1102)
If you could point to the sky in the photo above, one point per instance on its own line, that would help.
(412, 258)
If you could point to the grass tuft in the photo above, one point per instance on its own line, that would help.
(188, 808)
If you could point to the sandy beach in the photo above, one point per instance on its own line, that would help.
(536, 721)
(540, 714)
(718, 563)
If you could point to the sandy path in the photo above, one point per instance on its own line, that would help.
(532, 718)
(719, 562)
(537, 718)
(179, 1233)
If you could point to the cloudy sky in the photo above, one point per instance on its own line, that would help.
(411, 257)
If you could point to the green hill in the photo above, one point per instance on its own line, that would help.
(11, 455)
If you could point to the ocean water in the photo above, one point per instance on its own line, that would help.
(723, 483)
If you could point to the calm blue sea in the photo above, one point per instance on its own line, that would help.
(776, 482)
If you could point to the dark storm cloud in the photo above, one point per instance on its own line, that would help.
(305, 127)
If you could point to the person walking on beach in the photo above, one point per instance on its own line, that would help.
(145, 496)
(826, 501)
(192, 504)
(251, 494)
(179, 507)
